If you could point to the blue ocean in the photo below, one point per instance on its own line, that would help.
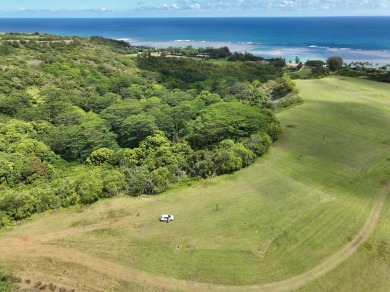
(353, 38)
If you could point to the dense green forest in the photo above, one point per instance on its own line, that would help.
(83, 119)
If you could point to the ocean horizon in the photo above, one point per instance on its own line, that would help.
(357, 38)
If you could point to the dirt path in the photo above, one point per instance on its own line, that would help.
(22, 247)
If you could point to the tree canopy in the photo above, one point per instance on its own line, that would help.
(81, 120)
(334, 63)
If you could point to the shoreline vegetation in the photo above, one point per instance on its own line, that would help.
(314, 68)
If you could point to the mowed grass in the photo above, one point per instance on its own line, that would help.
(366, 270)
(273, 220)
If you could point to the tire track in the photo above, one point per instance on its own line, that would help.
(20, 248)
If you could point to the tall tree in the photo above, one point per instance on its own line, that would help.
(227, 120)
(334, 63)
(135, 129)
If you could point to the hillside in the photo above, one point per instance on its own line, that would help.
(312, 214)
(81, 119)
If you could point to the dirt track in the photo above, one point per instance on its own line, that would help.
(36, 247)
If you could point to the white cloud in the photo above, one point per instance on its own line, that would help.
(196, 6)
(173, 6)
(228, 7)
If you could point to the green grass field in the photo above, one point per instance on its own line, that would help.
(276, 219)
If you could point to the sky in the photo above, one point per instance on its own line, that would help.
(192, 8)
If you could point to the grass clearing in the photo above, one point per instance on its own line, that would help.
(276, 219)
(303, 73)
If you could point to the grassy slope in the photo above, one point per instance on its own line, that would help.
(368, 269)
(276, 219)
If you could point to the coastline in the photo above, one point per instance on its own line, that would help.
(312, 52)
(361, 39)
